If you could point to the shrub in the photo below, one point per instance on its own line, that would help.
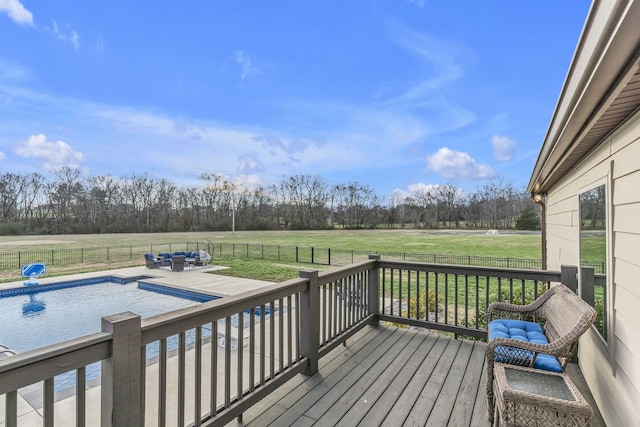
(418, 306)
(528, 219)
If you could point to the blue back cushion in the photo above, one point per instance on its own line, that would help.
(524, 331)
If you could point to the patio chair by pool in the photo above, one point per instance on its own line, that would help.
(151, 261)
(177, 262)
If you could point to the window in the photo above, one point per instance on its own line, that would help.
(593, 252)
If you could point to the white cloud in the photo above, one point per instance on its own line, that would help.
(250, 182)
(419, 3)
(67, 34)
(2, 156)
(457, 166)
(53, 154)
(249, 163)
(100, 45)
(502, 147)
(16, 12)
(75, 39)
(13, 70)
(422, 188)
(246, 65)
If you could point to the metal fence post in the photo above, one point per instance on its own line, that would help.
(121, 384)
(310, 321)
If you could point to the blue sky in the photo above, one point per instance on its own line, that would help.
(389, 93)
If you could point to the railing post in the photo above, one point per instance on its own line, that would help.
(587, 283)
(121, 384)
(310, 320)
(374, 290)
(569, 277)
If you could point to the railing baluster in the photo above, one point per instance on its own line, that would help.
(197, 410)
(426, 290)
(455, 301)
(213, 398)
(262, 345)
(11, 408)
(325, 314)
(143, 382)
(350, 298)
(446, 298)
(240, 367)
(511, 290)
(297, 326)
(252, 349)
(48, 403)
(466, 300)
(383, 307)
(477, 281)
(227, 362)
(289, 332)
(81, 396)
(182, 349)
(409, 294)
(281, 333)
(391, 283)
(400, 292)
(272, 346)
(162, 380)
(437, 294)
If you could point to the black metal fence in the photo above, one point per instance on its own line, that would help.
(336, 257)
(12, 260)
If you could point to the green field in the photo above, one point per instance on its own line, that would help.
(512, 245)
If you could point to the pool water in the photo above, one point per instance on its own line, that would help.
(43, 318)
(33, 320)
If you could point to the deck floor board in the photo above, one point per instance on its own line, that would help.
(385, 376)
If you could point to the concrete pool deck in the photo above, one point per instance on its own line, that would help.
(197, 279)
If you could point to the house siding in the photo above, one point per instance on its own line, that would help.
(612, 373)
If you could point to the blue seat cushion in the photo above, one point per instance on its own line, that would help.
(524, 331)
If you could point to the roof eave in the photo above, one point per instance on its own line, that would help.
(605, 60)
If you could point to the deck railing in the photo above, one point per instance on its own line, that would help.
(206, 365)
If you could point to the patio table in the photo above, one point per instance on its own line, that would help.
(534, 397)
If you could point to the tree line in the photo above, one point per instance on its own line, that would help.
(68, 201)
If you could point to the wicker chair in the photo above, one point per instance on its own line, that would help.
(151, 261)
(177, 263)
(566, 317)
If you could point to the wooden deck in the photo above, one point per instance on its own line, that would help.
(385, 376)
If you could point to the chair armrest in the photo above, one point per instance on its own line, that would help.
(505, 310)
(511, 310)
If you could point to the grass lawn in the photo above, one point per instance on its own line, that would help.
(258, 269)
(454, 242)
(512, 244)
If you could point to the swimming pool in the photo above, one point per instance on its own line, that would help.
(33, 317)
